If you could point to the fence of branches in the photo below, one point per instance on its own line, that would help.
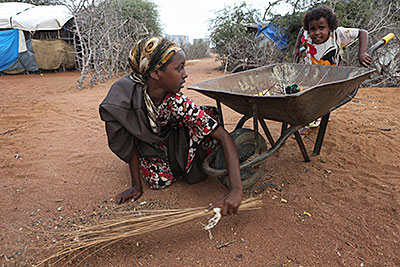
(102, 39)
(104, 33)
(246, 51)
(384, 19)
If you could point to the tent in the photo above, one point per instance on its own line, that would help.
(22, 51)
(270, 32)
(274, 33)
(31, 18)
(8, 10)
(8, 47)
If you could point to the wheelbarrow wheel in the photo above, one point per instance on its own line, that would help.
(245, 144)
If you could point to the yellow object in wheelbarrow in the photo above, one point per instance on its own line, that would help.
(264, 92)
(290, 89)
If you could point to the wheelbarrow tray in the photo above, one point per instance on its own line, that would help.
(323, 88)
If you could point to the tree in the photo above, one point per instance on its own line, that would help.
(377, 17)
(236, 48)
(34, 2)
(199, 49)
(229, 24)
(144, 11)
(105, 33)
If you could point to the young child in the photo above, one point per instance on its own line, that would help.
(160, 132)
(324, 41)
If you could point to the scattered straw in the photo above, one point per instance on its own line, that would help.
(102, 234)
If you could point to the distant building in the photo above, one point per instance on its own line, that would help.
(204, 40)
(181, 40)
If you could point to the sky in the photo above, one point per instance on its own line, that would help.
(191, 17)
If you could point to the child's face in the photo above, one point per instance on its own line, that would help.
(174, 75)
(319, 30)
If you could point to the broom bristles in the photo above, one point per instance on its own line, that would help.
(131, 224)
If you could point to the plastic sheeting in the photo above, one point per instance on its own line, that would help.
(275, 34)
(34, 18)
(25, 61)
(8, 10)
(9, 42)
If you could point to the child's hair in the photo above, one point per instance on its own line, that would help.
(321, 12)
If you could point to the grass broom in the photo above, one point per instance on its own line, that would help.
(126, 224)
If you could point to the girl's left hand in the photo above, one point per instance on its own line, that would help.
(365, 59)
(296, 53)
(132, 193)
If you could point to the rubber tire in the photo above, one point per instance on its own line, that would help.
(244, 141)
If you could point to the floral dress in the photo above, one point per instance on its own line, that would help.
(178, 110)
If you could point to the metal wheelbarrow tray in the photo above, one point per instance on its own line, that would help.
(324, 88)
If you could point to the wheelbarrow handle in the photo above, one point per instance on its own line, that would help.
(382, 42)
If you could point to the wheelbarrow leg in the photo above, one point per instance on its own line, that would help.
(321, 135)
(267, 132)
(221, 119)
(255, 125)
(284, 127)
(301, 145)
(245, 118)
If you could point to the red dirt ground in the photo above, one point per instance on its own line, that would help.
(55, 164)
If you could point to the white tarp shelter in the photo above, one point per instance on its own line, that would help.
(18, 54)
(32, 18)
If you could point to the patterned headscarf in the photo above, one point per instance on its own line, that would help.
(149, 55)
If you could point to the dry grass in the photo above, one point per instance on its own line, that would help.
(124, 224)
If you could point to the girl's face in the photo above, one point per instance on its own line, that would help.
(174, 75)
(319, 30)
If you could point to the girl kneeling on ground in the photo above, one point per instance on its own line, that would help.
(159, 131)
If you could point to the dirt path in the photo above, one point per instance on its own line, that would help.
(55, 165)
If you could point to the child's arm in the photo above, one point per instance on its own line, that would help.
(231, 202)
(296, 51)
(136, 190)
(363, 57)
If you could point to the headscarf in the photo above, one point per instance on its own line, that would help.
(149, 55)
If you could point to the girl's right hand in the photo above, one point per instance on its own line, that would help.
(365, 59)
(230, 203)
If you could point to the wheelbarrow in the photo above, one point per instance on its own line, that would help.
(322, 90)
